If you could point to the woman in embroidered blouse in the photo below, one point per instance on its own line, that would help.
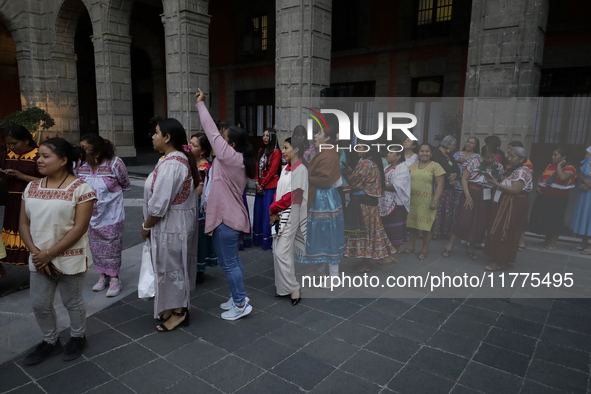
(18, 167)
(267, 175)
(201, 149)
(423, 202)
(107, 175)
(170, 213)
(366, 237)
(509, 213)
(55, 214)
(528, 164)
(580, 222)
(549, 210)
(226, 215)
(290, 210)
(395, 203)
(476, 201)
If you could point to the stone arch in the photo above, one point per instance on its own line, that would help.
(62, 86)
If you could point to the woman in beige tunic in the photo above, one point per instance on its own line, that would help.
(170, 212)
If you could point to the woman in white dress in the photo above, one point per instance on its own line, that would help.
(170, 213)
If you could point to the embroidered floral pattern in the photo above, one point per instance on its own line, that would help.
(183, 195)
(72, 252)
(66, 194)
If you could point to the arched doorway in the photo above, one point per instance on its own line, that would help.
(148, 68)
(10, 100)
(85, 71)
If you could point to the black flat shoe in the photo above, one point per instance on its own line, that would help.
(281, 296)
(295, 301)
(200, 277)
(74, 348)
(42, 352)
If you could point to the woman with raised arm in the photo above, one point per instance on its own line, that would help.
(170, 213)
(226, 215)
(18, 167)
(55, 214)
(107, 175)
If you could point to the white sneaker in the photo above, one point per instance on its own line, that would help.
(114, 287)
(101, 284)
(228, 304)
(236, 313)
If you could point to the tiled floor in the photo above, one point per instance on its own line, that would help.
(329, 345)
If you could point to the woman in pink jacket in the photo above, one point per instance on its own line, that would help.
(226, 215)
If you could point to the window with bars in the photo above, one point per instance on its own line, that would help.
(260, 28)
(432, 11)
(433, 17)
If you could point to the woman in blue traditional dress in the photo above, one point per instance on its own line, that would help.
(325, 241)
(581, 220)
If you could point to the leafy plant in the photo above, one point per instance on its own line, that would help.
(33, 119)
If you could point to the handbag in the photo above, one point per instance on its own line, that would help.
(146, 287)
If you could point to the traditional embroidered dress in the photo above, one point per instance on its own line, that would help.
(325, 240)
(310, 152)
(394, 206)
(420, 216)
(580, 222)
(267, 177)
(169, 194)
(108, 216)
(17, 252)
(458, 190)
(507, 219)
(51, 213)
(372, 243)
(549, 210)
(472, 223)
(206, 256)
(290, 204)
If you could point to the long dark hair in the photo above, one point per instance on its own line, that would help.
(476, 148)
(239, 137)
(376, 157)
(62, 148)
(272, 145)
(20, 133)
(103, 147)
(178, 138)
(299, 144)
(496, 142)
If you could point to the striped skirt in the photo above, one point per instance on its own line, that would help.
(395, 225)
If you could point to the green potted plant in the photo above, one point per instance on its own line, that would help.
(33, 119)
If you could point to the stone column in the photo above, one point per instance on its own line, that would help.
(504, 60)
(63, 94)
(186, 28)
(302, 58)
(113, 86)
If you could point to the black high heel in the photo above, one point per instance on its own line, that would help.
(185, 323)
(295, 301)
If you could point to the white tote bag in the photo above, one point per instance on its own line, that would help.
(146, 287)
